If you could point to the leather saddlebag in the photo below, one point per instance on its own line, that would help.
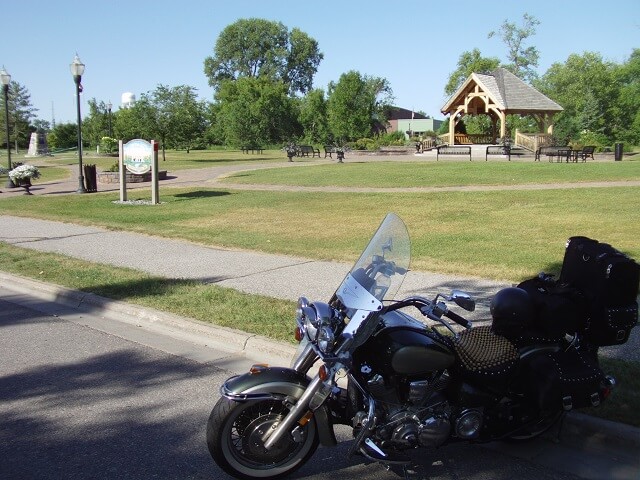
(609, 280)
(562, 380)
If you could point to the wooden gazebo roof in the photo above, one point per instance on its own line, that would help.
(498, 94)
(504, 90)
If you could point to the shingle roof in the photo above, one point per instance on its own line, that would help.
(508, 92)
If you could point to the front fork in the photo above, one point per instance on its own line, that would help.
(312, 398)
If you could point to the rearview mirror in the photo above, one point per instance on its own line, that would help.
(463, 300)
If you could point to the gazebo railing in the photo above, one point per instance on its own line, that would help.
(532, 141)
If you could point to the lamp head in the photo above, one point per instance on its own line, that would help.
(4, 76)
(77, 67)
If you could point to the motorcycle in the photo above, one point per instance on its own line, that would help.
(403, 384)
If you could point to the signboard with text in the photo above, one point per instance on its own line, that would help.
(138, 156)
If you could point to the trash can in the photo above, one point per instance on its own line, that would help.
(618, 151)
(90, 178)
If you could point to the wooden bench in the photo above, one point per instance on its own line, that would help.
(453, 150)
(328, 150)
(252, 149)
(306, 150)
(498, 150)
(550, 152)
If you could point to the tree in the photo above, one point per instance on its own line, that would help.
(468, 63)
(522, 60)
(586, 87)
(20, 114)
(313, 117)
(96, 124)
(256, 111)
(254, 47)
(63, 135)
(355, 104)
(626, 114)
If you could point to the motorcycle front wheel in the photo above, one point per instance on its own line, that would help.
(235, 432)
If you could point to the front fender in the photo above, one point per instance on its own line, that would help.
(278, 383)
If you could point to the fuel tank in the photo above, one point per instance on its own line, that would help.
(404, 346)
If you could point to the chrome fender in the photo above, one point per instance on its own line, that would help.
(277, 383)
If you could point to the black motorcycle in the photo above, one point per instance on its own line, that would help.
(402, 385)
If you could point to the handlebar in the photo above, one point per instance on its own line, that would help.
(432, 310)
(458, 319)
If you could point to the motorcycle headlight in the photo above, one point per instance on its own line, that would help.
(326, 338)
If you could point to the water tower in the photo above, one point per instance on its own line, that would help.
(127, 99)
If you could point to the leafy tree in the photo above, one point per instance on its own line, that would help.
(256, 111)
(313, 117)
(468, 63)
(586, 87)
(96, 124)
(21, 111)
(130, 123)
(256, 47)
(63, 135)
(173, 115)
(522, 60)
(41, 126)
(626, 122)
(355, 104)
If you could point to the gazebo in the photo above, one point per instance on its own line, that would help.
(498, 94)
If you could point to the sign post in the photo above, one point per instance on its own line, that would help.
(155, 186)
(138, 157)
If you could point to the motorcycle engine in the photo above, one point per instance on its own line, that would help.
(405, 429)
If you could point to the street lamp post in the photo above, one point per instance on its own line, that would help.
(77, 69)
(109, 106)
(6, 79)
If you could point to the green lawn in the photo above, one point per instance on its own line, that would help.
(440, 174)
(175, 160)
(505, 235)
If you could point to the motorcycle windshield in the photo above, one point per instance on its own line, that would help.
(381, 268)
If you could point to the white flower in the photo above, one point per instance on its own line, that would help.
(24, 172)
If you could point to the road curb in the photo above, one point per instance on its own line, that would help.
(252, 346)
(577, 427)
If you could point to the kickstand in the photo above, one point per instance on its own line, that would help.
(556, 439)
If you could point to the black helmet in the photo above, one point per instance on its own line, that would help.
(512, 310)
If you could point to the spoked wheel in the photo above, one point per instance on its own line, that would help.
(235, 434)
(534, 431)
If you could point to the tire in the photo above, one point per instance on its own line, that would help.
(542, 426)
(233, 431)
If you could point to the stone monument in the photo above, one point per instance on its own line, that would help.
(38, 145)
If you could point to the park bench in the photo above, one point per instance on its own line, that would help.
(550, 152)
(252, 149)
(306, 150)
(453, 150)
(328, 150)
(498, 150)
(584, 153)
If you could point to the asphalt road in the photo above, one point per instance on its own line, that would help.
(83, 396)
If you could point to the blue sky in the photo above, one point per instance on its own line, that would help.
(132, 46)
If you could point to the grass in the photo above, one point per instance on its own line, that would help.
(505, 235)
(209, 303)
(409, 174)
(175, 160)
(229, 308)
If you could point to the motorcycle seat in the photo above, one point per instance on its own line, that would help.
(482, 352)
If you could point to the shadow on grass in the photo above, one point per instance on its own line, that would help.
(201, 194)
(148, 287)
